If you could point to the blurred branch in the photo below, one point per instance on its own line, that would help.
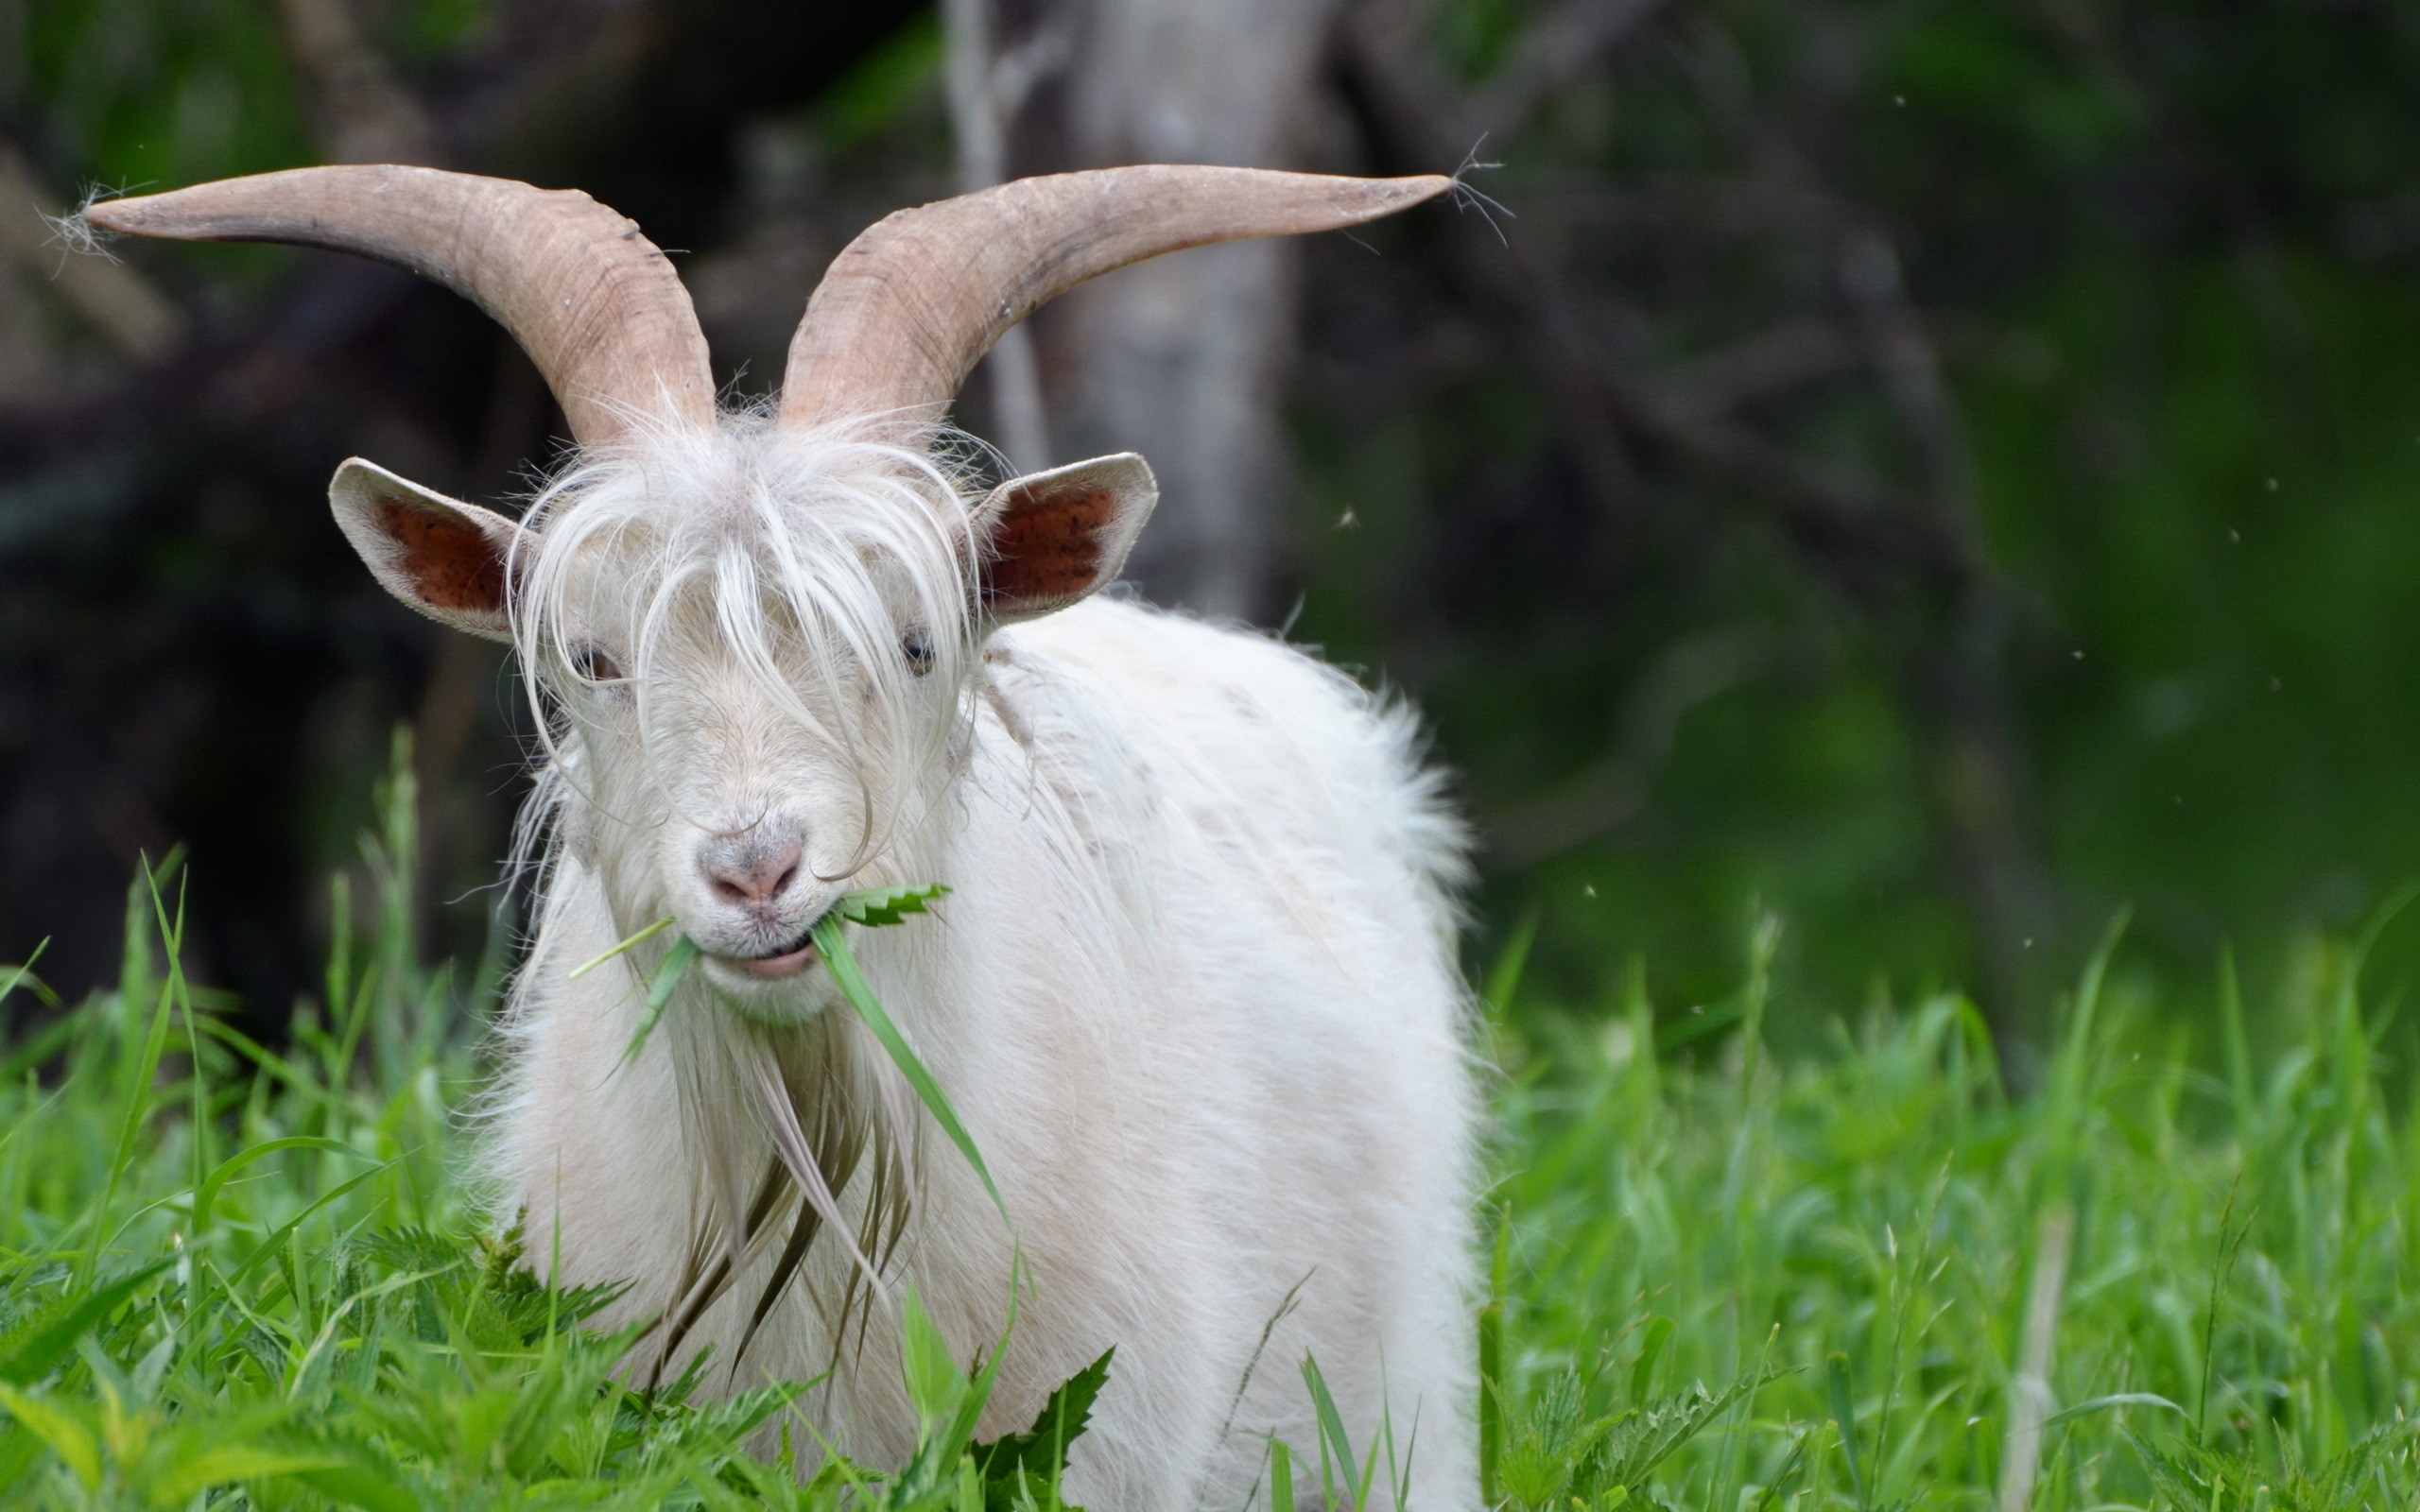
(1904, 359)
(1611, 791)
(1840, 516)
(1182, 358)
(1951, 653)
(1784, 357)
(537, 68)
(1017, 72)
(1549, 55)
(1872, 534)
(1912, 559)
(332, 301)
(362, 114)
(1413, 112)
(136, 318)
(1555, 50)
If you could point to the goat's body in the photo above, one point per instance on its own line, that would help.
(1194, 995)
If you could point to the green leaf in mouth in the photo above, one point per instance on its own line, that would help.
(876, 907)
(871, 908)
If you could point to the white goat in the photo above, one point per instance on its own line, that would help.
(1194, 991)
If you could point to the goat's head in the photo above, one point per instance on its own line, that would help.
(753, 635)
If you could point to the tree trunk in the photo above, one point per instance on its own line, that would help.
(1182, 358)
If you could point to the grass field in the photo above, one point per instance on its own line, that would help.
(236, 1277)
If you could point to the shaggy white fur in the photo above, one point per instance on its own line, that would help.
(1193, 991)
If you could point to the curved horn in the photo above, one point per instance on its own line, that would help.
(908, 309)
(596, 306)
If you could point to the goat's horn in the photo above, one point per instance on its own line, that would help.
(908, 309)
(596, 306)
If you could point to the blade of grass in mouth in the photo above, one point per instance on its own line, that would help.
(871, 908)
(875, 907)
(677, 961)
(601, 958)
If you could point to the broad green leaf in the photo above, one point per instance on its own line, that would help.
(949, 1403)
(359, 1485)
(229, 1462)
(18, 1447)
(1041, 1451)
(935, 1384)
(75, 1443)
(33, 1357)
(877, 906)
(970, 1407)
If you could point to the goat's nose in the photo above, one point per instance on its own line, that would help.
(749, 872)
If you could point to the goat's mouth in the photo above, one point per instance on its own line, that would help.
(772, 964)
(782, 961)
(788, 960)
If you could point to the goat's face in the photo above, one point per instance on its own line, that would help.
(753, 657)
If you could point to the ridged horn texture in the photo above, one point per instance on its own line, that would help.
(909, 308)
(596, 306)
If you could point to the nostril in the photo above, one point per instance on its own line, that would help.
(746, 875)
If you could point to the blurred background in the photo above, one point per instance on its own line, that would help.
(1930, 473)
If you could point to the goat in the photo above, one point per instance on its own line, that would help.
(1194, 993)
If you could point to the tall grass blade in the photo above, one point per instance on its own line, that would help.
(1842, 1402)
(1490, 1362)
(2109, 1403)
(2029, 1394)
(852, 983)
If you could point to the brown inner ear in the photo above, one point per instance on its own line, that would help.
(450, 563)
(1048, 543)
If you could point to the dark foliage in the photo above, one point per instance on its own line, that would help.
(1935, 472)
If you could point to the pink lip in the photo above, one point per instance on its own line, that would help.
(768, 966)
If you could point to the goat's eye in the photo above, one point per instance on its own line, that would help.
(918, 649)
(595, 665)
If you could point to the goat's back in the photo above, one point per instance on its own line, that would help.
(1298, 1112)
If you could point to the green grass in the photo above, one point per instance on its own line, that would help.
(232, 1277)
(2199, 1280)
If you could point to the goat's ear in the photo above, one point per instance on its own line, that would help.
(440, 556)
(1048, 538)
